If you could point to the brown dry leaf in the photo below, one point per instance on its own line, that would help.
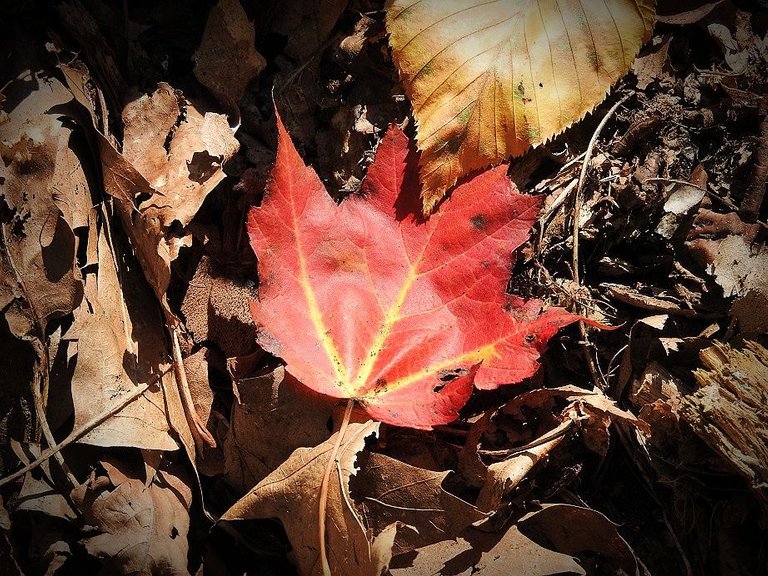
(273, 401)
(46, 196)
(737, 267)
(199, 368)
(141, 522)
(227, 60)
(116, 344)
(389, 491)
(291, 494)
(172, 158)
(477, 553)
(489, 79)
(503, 477)
(38, 492)
(654, 65)
(584, 533)
(305, 24)
(215, 309)
(686, 12)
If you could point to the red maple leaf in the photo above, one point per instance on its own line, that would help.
(368, 300)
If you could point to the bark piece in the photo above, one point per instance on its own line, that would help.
(728, 409)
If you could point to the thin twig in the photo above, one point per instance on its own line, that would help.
(558, 432)
(83, 430)
(200, 433)
(39, 394)
(577, 205)
(323, 501)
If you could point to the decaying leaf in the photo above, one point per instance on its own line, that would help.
(291, 494)
(45, 197)
(227, 60)
(489, 79)
(215, 309)
(172, 157)
(140, 516)
(584, 533)
(588, 413)
(368, 300)
(736, 266)
(486, 554)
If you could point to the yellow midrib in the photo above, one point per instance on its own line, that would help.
(392, 316)
(314, 311)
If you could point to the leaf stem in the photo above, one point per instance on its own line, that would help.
(333, 459)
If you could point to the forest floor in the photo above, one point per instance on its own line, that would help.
(658, 465)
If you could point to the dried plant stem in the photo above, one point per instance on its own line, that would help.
(199, 431)
(333, 459)
(82, 431)
(40, 383)
(577, 205)
(755, 192)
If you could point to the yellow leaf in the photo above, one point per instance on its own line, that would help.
(487, 80)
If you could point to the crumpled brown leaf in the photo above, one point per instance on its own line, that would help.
(590, 413)
(291, 494)
(172, 157)
(45, 194)
(227, 60)
(141, 516)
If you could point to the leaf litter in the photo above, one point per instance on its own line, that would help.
(554, 475)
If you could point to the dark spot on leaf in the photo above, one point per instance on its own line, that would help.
(380, 385)
(530, 338)
(437, 388)
(478, 222)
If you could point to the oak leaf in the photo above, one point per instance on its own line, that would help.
(368, 300)
(489, 79)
